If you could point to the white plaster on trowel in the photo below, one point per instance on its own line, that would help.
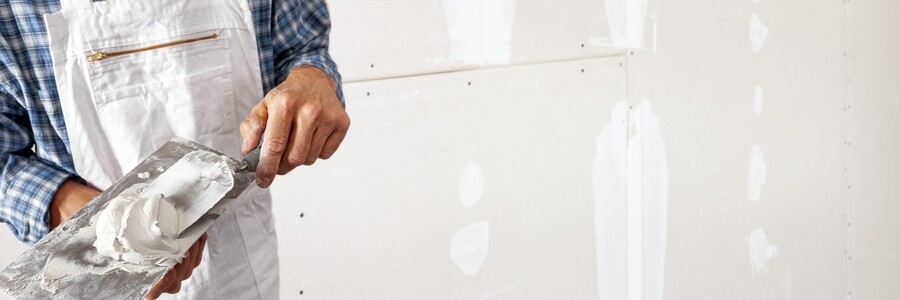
(756, 173)
(469, 247)
(631, 197)
(760, 250)
(627, 20)
(143, 175)
(193, 184)
(758, 100)
(758, 33)
(471, 184)
(480, 30)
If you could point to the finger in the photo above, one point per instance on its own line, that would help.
(301, 137)
(275, 141)
(189, 264)
(318, 142)
(289, 157)
(201, 245)
(174, 288)
(162, 285)
(253, 126)
(331, 145)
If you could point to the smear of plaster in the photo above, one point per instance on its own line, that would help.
(626, 22)
(760, 250)
(758, 100)
(480, 30)
(469, 247)
(621, 186)
(756, 173)
(610, 200)
(758, 33)
(471, 184)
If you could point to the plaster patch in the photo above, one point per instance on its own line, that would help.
(760, 250)
(756, 173)
(480, 30)
(627, 20)
(758, 33)
(471, 184)
(758, 100)
(469, 247)
(631, 198)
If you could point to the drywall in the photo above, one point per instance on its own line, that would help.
(708, 150)
(464, 185)
(873, 107)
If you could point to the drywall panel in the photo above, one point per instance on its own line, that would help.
(390, 38)
(874, 168)
(466, 185)
(748, 98)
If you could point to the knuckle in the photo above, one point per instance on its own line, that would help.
(310, 161)
(294, 160)
(343, 122)
(311, 111)
(277, 144)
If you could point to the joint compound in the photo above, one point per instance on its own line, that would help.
(139, 231)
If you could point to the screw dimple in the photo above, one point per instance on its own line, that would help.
(301, 215)
(301, 292)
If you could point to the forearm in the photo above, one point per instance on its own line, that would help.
(301, 38)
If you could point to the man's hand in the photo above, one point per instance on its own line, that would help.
(69, 198)
(171, 282)
(300, 121)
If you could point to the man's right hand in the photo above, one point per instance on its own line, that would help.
(70, 197)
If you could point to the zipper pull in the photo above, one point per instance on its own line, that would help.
(100, 55)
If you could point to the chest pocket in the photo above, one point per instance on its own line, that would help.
(147, 94)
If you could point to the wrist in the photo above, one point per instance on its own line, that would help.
(70, 197)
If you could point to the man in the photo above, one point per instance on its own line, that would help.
(77, 112)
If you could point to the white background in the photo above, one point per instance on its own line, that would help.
(607, 149)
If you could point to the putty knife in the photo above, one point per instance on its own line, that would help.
(71, 243)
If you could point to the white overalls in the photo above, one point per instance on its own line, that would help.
(131, 75)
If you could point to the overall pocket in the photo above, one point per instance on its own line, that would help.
(148, 94)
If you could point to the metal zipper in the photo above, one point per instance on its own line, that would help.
(101, 55)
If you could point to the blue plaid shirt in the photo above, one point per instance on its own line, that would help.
(34, 148)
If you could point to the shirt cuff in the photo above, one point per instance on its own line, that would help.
(30, 185)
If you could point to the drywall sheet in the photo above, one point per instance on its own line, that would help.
(748, 98)
(874, 167)
(389, 38)
(467, 185)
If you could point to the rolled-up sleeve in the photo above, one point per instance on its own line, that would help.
(300, 34)
(27, 182)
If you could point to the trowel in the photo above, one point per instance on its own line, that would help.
(199, 199)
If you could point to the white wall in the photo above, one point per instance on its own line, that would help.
(506, 149)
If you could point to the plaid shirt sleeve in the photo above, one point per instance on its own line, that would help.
(300, 37)
(27, 183)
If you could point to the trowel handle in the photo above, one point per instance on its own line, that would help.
(252, 158)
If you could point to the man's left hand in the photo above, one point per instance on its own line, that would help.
(301, 120)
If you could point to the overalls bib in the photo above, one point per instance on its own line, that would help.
(133, 74)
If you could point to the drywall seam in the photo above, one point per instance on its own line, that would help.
(468, 68)
(635, 207)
